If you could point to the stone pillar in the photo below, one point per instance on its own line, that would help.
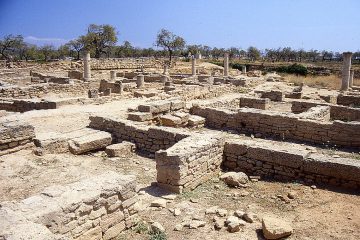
(351, 80)
(243, 69)
(226, 65)
(112, 75)
(140, 81)
(119, 87)
(165, 69)
(346, 71)
(87, 67)
(164, 79)
(193, 66)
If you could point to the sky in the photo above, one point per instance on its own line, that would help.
(309, 24)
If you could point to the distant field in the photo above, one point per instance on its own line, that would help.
(331, 82)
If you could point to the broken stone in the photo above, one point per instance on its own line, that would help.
(274, 228)
(235, 179)
(239, 213)
(233, 224)
(196, 224)
(211, 210)
(157, 228)
(249, 217)
(158, 203)
(221, 212)
(291, 195)
(177, 212)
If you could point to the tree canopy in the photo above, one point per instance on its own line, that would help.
(169, 41)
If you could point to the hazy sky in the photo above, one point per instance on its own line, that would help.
(319, 24)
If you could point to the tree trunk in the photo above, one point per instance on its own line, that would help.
(170, 56)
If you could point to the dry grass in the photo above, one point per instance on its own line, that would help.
(330, 82)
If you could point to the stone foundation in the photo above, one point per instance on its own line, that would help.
(40, 90)
(289, 164)
(24, 105)
(15, 136)
(276, 96)
(97, 208)
(147, 139)
(349, 100)
(189, 162)
(337, 112)
(282, 126)
(252, 102)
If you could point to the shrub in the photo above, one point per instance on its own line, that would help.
(157, 236)
(295, 68)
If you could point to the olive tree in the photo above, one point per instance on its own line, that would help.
(99, 38)
(170, 42)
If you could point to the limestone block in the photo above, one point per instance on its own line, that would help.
(123, 149)
(196, 121)
(170, 120)
(91, 142)
(140, 116)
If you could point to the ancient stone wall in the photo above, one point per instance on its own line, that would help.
(15, 136)
(97, 208)
(282, 126)
(321, 113)
(125, 63)
(252, 102)
(276, 96)
(40, 90)
(148, 139)
(189, 162)
(337, 112)
(24, 105)
(290, 164)
(348, 100)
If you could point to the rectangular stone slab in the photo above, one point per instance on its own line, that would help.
(91, 142)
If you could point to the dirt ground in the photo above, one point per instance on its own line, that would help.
(315, 213)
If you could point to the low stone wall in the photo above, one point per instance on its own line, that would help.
(97, 208)
(189, 162)
(125, 63)
(282, 126)
(147, 139)
(276, 96)
(349, 100)
(15, 136)
(290, 164)
(40, 90)
(321, 113)
(24, 105)
(337, 112)
(252, 102)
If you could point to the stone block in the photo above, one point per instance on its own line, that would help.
(140, 116)
(123, 149)
(196, 121)
(90, 142)
(169, 120)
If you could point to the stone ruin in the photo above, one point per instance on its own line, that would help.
(182, 123)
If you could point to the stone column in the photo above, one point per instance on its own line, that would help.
(346, 71)
(193, 66)
(140, 81)
(243, 69)
(165, 69)
(226, 65)
(112, 75)
(87, 67)
(351, 80)
(164, 78)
